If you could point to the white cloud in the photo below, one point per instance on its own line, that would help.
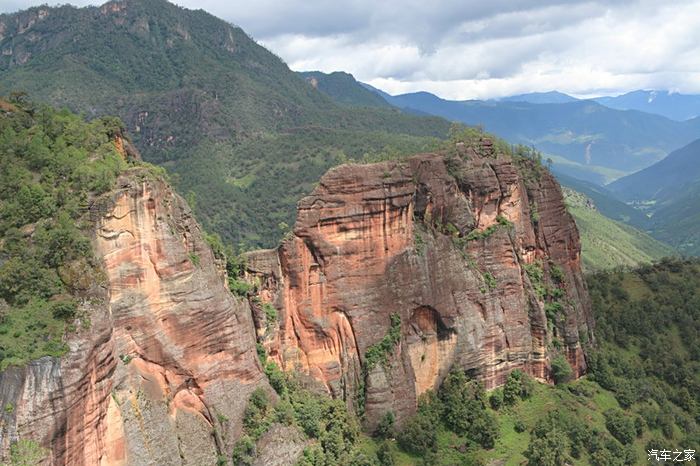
(475, 49)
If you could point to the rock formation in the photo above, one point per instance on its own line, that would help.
(474, 252)
(162, 373)
(395, 273)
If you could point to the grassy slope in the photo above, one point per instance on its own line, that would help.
(606, 243)
(511, 445)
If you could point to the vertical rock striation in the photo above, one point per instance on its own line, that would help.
(163, 373)
(476, 254)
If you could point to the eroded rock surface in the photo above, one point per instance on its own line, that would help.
(454, 247)
(163, 373)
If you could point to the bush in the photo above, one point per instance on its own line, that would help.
(276, 377)
(385, 457)
(255, 418)
(464, 409)
(561, 370)
(496, 399)
(419, 435)
(64, 309)
(620, 425)
(27, 453)
(549, 449)
(512, 390)
(385, 428)
(244, 452)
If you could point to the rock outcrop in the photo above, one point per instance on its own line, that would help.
(394, 274)
(475, 253)
(162, 373)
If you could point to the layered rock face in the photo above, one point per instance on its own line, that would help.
(472, 252)
(163, 373)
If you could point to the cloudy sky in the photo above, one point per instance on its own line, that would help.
(477, 48)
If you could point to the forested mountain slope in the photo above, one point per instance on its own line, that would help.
(202, 99)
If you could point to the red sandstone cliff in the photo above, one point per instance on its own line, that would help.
(163, 372)
(447, 250)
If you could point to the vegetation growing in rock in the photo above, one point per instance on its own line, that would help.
(26, 452)
(501, 222)
(54, 165)
(378, 354)
(326, 422)
(561, 369)
(606, 418)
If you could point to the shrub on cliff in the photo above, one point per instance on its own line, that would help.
(385, 428)
(54, 164)
(243, 452)
(561, 370)
(26, 452)
(256, 418)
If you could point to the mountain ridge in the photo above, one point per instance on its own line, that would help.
(203, 100)
(596, 143)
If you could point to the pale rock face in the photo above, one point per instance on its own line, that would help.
(372, 241)
(164, 372)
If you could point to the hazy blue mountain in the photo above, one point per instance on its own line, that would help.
(665, 179)
(343, 88)
(551, 97)
(669, 191)
(671, 105)
(585, 139)
(606, 201)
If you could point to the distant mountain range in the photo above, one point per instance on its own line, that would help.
(679, 107)
(675, 106)
(668, 192)
(551, 97)
(585, 139)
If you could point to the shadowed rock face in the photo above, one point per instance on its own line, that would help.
(394, 238)
(169, 356)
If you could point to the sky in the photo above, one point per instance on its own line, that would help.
(469, 49)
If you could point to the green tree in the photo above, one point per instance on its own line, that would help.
(561, 370)
(385, 428)
(385, 456)
(419, 435)
(620, 425)
(512, 389)
(550, 449)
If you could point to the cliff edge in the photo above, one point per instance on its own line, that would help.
(397, 272)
